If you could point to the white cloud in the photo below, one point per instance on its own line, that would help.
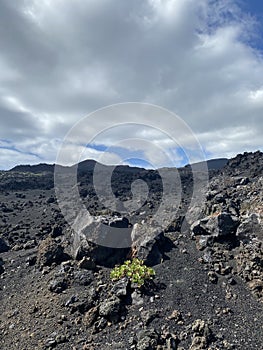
(73, 153)
(257, 96)
(10, 158)
(60, 60)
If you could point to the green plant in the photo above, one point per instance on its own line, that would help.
(134, 270)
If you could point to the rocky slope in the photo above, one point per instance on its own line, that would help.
(207, 293)
(232, 221)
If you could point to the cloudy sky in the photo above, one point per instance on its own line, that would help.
(61, 60)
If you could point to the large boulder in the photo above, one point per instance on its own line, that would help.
(219, 225)
(250, 227)
(110, 241)
(106, 241)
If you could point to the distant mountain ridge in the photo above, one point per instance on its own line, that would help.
(37, 168)
(212, 164)
(89, 164)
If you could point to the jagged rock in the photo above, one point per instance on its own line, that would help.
(147, 339)
(250, 266)
(100, 324)
(50, 252)
(28, 204)
(29, 244)
(106, 242)
(203, 241)
(110, 309)
(90, 316)
(82, 302)
(58, 285)
(82, 278)
(200, 327)
(31, 260)
(221, 225)
(175, 225)
(249, 164)
(256, 285)
(250, 227)
(171, 342)
(220, 198)
(146, 242)
(50, 200)
(120, 287)
(202, 335)
(212, 276)
(71, 300)
(148, 316)
(175, 315)
(17, 247)
(136, 298)
(198, 343)
(87, 263)
(56, 231)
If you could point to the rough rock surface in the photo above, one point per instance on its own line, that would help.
(234, 246)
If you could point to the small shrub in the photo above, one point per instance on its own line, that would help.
(134, 270)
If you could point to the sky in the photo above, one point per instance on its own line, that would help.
(61, 60)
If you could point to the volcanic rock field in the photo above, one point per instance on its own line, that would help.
(207, 293)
